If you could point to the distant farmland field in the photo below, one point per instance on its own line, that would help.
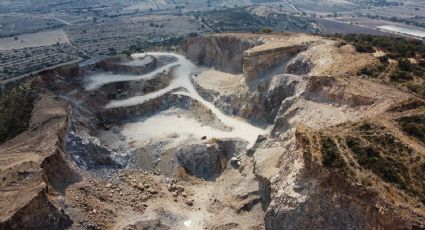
(332, 27)
(34, 40)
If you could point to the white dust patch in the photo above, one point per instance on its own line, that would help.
(98, 80)
(172, 125)
(44, 38)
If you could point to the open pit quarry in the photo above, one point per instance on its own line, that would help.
(227, 131)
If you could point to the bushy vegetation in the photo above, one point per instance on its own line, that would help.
(409, 105)
(396, 46)
(266, 30)
(375, 71)
(417, 88)
(369, 157)
(16, 107)
(387, 157)
(331, 156)
(414, 126)
(242, 20)
(401, 76)
(408, 54)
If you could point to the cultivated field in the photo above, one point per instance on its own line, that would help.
(11, 25)
(34, 40)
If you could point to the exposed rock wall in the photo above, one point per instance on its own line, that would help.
(162, 103)
(259, 105)
(122, 90)
(260, 64)
(319, 198)
(225, 53)
(232, 54)
(329, 90)
(330, 203)
(38, 213)
(36, 173)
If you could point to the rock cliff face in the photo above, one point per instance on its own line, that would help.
(225, 53)
(329, 90)
(33, 174)
(258, 105)
(258, 64)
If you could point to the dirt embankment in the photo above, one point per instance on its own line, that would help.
(35, 170)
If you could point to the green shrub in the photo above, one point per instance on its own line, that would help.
(331, 157)
(363, 47)
(15, 112)
(374, 71)
(369, 157)
(384, 59)
(404, 64)
(414, 126)
(396, 46)
(401, 76)
(266, 31)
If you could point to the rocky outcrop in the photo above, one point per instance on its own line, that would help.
(259, 105)
(329, 90)
(329, 202)
(38, 213)
(260, 64)
(33, 176)
(257, 56)
(162, 103)
(89, 153)
(225, 53)
(300, 65)
(330, 187)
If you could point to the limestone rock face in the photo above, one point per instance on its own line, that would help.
(225, 53)
(256, 56)
(329, 90)
(329, 202)
(259, 104)
(301, 65)
(88, 152)
(258, 64)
